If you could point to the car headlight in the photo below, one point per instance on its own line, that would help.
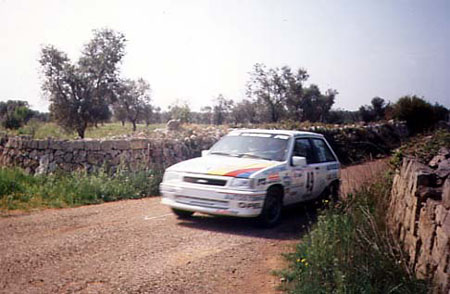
(241, 183)
(171, 176)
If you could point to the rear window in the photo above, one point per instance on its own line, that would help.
(323, 152)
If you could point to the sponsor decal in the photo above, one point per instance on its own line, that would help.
(239, 197)
(309, 182)
(287, 180)
(275, 170)
(251, 205)
(243, 172)
(261, 182)
(298, 174)
(273, 177)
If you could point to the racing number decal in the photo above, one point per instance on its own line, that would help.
(309, 181)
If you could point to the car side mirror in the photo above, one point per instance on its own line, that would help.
(298, 161)
(205, 152)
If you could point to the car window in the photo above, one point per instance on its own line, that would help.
(304, 148)
(323, 152)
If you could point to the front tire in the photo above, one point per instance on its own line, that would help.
(271, 212)
(182, 214)
(333, 191)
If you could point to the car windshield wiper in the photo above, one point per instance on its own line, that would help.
(253, 156)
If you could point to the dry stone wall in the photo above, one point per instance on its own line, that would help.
(166, 147)
(419, 217)
(42, 156)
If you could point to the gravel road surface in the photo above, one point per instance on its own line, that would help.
(138, 246)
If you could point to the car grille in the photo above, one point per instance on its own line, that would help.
(195, 201)
(205, 181)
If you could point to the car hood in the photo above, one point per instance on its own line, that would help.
(223, 166)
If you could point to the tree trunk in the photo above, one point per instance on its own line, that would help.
(81, 130)
(123, 123)
(134, 125)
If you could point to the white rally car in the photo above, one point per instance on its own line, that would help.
(253, 173)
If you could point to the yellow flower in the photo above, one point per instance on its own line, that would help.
(303, 260)
(298, 259)
(306, 264)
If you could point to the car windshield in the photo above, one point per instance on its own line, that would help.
(253, 145)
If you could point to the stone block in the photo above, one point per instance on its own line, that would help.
(446, 194)
(138, 144)
(442, 216)
(92, 145)
(107, 145)
(95, 159)
(122, 144)
(68, 157)
(56, 145)
(34, 144)
(441, 248)
(427, 225)
(77, 144)
(67, 146)
(43, 144)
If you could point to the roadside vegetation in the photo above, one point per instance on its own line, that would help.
(19, 190)
(349, 250)
(424, 147)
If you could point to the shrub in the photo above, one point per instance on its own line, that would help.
(418, 114)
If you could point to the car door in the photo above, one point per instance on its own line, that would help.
(302, 177)
(325, 166)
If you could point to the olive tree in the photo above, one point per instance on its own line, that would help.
(81, 92)
(133, 101)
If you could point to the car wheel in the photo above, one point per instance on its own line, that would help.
(271, 211)
(333, 191)
(182, 214)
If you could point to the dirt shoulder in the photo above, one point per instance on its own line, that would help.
(138, 246)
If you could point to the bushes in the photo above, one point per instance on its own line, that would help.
(418, 114)
(20, 190)
(349, 251)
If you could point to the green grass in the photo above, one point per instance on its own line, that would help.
(19, 190)
(40, 130)
(349, 250)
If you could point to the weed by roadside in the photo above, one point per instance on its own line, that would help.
(349, 250)
(19, 190)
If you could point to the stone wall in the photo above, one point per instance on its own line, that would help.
(419, 217)
(352, 143)
(42, 156)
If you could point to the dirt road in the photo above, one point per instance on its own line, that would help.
(138, 246)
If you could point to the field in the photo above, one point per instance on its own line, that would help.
(40, 130)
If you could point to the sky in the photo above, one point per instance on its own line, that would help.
(193, 51)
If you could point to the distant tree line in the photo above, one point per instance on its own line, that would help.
(90, 91)
(15, 113)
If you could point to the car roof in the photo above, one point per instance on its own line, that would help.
(277, 132)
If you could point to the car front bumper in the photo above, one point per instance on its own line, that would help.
(212, 200)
